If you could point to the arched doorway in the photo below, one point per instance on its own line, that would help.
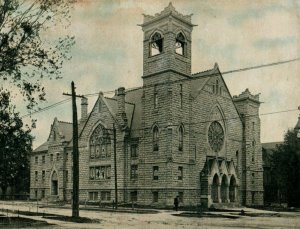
(224, 187)
(215, 189)
(232, 189)
(54, 184)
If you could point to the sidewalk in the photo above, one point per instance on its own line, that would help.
(160, 219)
(34, 206)
(110, 218)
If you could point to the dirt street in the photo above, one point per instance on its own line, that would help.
(162, 219)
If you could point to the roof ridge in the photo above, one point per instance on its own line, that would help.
(110, 98)
(134, 89)
(272, 142)
(65, 122)
(116, 100)
(203, 71)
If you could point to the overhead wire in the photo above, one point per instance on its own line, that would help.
(168, 83)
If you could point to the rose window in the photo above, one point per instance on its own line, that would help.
(216, 136)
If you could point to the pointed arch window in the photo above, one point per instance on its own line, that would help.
(180, 44)
(99, 143)
(180, 145)
(155, 138)
(156, 44)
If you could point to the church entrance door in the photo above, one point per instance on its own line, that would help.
(224, 187)
(215, 189)
(54, 184)
(232, 188)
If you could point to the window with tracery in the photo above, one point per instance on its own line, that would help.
(180, 44)
(134, 151)
(134, 172)
(156, 44)
(100, 143)
(100, 172)
(216, 136)
(155, 138)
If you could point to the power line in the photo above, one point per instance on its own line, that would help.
(206, 75)
(225, 119)
(261, 66)
(47, 108)
(169, 83)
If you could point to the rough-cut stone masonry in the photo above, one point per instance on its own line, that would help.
(180, 134)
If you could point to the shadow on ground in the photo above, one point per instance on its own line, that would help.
(19, 222)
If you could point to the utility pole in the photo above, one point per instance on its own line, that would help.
(115, 166)
(298, 134)
(75, 197)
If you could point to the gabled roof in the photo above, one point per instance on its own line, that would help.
(42, 148)
(64, 130)
(135, 97)
(206, 73)
(268, 150)
(201, 78)
(129, 107)
(112, 105)
(270, 145)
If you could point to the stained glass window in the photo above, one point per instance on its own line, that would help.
(99, 142)
(216, 136)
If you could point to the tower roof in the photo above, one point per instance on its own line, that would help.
(246, 95)
(169, 10)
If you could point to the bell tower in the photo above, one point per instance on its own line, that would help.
(167, 45)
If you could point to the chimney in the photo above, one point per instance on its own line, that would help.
(121, 115)
(84, 108)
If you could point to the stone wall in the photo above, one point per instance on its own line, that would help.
(252, 186)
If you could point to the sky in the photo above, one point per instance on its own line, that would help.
(235, 34)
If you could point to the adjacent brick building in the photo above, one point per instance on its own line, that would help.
(180, 134)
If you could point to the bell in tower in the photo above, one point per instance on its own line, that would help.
(167, 45)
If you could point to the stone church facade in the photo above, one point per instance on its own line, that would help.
(180, 134)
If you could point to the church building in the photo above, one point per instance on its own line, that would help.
(179, 134)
